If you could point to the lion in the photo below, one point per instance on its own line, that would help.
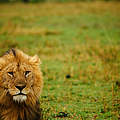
(20, 86)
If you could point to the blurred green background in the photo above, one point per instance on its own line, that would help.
(79, 46)
(52, 0)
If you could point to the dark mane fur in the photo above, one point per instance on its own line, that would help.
(9, 51)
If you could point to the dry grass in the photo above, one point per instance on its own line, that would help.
(47, 9)
(13, 29)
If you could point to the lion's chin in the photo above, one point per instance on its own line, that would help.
(19, 98)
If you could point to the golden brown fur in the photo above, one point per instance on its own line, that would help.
(20, 86)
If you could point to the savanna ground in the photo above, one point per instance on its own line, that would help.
(79, 46)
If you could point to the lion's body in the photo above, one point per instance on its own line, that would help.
(20, 86)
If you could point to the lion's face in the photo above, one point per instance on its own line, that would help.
(21, 78)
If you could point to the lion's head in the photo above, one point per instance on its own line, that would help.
(20, 78)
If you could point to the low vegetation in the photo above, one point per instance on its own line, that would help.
(79, 46)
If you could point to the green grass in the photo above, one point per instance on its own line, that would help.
(79, 46)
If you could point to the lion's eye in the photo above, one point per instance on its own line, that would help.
(10, 73)
(27, 73)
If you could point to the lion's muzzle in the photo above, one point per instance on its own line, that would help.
(20, 96)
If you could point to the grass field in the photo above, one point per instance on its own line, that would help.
(79, 46)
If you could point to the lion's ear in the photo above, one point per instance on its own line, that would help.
(35, 59)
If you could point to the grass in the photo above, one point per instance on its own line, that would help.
(79, 46)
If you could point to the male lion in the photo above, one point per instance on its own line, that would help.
(20, 86)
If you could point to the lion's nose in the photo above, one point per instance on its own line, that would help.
(20, 87)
